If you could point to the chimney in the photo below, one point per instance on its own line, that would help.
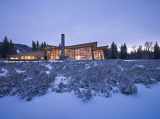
(62, 44)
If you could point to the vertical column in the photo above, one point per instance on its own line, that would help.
(74, 53)
(104, 54)
(62, 46)
(92, 53)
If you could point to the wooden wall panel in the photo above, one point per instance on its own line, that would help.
(37, 54)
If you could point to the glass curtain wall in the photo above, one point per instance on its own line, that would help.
(55, 54)
(70, 53)
(79, 53)
(98, 55)
(83, 53)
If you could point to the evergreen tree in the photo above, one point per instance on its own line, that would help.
(33, 46)
(44, 44)
(139, 53)
(37, 46)
(122, 52)
(11, 48)
(125, 51)
(5, 47)
(0, 51)
(114, 52)
(132, 55)
(156, 51)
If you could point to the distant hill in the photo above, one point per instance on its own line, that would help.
(20, 48)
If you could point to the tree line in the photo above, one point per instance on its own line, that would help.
(7, 48)
(149, 51)
(36, 45)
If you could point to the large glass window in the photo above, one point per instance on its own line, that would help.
(70, 53)
(83, 53)
(22, 57)
(98, 55)
(77, 54)
(32, 57)
(55, 54)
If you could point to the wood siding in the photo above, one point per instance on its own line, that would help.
(38, 55)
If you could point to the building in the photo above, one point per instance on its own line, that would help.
(87, 51)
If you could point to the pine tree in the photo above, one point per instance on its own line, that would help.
(124, 51)
(0, 51)
(156, 51)
(139, 52)
(11, 47)
(44, 44)
(33, 46)
(5, 47)
(114, 52)
(37, 46)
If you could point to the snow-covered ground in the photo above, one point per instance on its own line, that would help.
(144, 105)
(18, 51)
(108, 89)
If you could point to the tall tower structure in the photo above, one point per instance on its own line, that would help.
(62, 57)
(62, 44)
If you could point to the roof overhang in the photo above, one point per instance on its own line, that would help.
(49, 47)
(93, 45)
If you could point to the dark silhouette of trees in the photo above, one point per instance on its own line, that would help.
(148, 47)
(36, 45)
(156, 51)
(12, 49)
(44, 44)
(33, 46)
(114, 52)
(123, 52)
(7, 48)
(139, 53)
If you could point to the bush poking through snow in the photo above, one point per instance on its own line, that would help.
(85, 79)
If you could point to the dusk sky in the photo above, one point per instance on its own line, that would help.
(131, 21)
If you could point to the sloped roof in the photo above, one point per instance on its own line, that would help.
(93, 44)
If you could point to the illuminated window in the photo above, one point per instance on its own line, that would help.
(22, 57)
(98, 55)
(16, 58)
(83, 53)
(26, 57)
(32, 57)
(12, 58)
(55, 53)
(29, 57)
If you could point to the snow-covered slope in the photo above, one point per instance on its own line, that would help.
(144, 105)
(21, 48)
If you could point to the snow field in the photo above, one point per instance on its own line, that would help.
(144, 105)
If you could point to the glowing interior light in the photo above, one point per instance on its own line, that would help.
(78, 57)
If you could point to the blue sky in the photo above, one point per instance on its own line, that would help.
(131, 21)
